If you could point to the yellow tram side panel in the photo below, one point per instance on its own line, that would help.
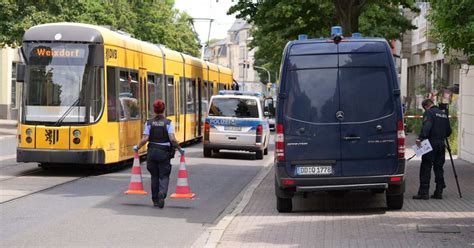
(214, 77)
(193, 70)
(225, 75)
(118, 138)
(174, 68)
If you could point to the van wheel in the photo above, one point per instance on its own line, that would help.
(259, 155)
(395, 202)
(265, 152)
(284, 205)
(207, 152)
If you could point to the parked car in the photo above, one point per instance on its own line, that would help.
(236, 121)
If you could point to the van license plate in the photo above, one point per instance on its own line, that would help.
(314, 170)
(232, 128)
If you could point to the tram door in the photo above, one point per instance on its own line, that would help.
(178, 112)
(143, 98)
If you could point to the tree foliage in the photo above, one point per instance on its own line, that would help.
(275, 22)
(453, 25)
(152, 21)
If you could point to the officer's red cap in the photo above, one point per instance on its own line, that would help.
(158, 106)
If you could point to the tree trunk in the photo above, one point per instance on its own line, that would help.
(348, 12)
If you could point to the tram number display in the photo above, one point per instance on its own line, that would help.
(314, 170)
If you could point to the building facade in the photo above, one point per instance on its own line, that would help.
(428, 71)
(234, 52)
(10, 90)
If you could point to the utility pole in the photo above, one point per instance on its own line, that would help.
(204, 45)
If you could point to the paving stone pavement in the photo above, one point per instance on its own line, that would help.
(359, 219)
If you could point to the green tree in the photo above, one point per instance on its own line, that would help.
(152, 21)
(453, 25)
(275, 22)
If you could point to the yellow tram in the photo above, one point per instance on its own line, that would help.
(88, 92)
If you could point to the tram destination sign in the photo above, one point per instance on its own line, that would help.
(58, 52)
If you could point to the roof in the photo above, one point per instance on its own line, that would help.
(239, 24)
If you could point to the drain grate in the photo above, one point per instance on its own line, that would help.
(437, 229)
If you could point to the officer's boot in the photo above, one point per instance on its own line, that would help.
(438, 193)
(423, 193)
(161, 199)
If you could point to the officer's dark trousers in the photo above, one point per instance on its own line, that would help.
(436, 160)
(159, 166)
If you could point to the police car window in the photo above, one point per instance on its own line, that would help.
(234, 107)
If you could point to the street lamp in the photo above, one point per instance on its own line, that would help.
(268, 75)
(261, 68)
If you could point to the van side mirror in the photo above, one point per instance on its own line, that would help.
(20, 73)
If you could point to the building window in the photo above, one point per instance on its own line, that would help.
(242, 53)
(13, 97)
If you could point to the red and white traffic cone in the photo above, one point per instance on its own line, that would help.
(136, 183)
(183, 191)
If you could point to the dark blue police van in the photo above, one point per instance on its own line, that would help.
(339, 120)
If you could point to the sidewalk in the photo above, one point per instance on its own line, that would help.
(360, 219)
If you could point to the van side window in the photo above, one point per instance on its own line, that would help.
(365, 93)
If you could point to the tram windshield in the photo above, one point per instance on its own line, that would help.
(63, 84)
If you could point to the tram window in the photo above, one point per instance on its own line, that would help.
(190, 96)
(111, 94)
(204, 91)
(221, 86)
(152, 93)
(210, 87)
(182, 95)
(169, 96)
(96, 94)
(160, 87)
(129, 92)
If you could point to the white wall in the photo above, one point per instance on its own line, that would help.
(466, 114)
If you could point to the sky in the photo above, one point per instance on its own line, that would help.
(214, 9)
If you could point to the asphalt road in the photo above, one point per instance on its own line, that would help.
(93, 211)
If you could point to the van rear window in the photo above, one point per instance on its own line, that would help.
(313, 95)
(365, 93)
(234, 107)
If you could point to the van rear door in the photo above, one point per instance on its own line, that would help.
(368, 128)
(312, 132)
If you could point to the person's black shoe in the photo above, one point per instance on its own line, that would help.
(161, 200)
(437, 195)
(421, 197)
(155, 204)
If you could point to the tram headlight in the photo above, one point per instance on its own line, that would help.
(76, 133)
(28, 132)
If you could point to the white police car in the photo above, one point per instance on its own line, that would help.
(236, 121)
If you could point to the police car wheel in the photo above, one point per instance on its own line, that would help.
(207, 152)
(284, 205)
(259, 154)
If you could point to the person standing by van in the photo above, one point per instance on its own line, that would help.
(436, 129)
(159, 133)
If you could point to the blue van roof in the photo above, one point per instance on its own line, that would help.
(325, 46)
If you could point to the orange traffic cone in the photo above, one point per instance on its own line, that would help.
(182, 188)
(136, 186)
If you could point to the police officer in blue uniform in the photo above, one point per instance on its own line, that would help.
(162, 143)
(436, 129)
